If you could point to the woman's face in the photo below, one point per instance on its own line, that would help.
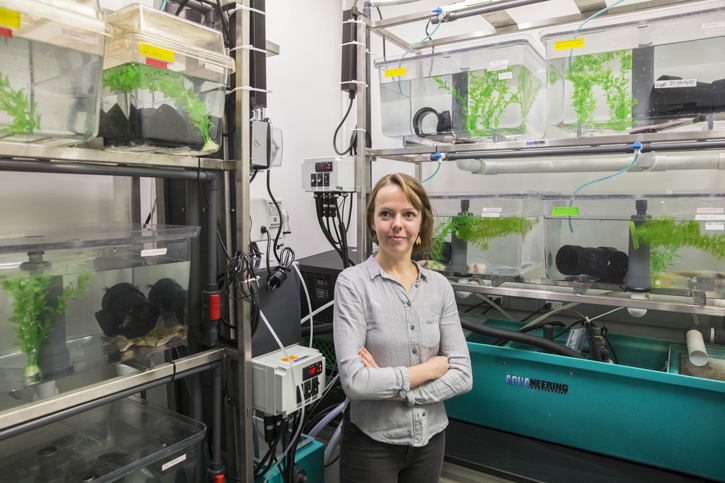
(396, 221)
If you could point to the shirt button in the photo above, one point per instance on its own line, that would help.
(415, 351)
(423, 414)
(408, 304)
(412, 327)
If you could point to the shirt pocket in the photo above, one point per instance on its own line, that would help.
(430, 332)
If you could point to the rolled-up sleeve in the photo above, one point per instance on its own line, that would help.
(350, 328)
(458, 379)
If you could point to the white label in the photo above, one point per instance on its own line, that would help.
(214, 68)
(499, 62)
(709, 217)
(711, 210)
(85, 38)
(713, 25)
(492, 210)
(536, 144)
(715, 32)
(173, 462)
(491, 215)
(154, 252)
(667, 84)
(505, 75)
(497, 67)
(715, 226)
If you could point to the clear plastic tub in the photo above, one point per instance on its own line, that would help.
(164, 84)
(130, 440)
(635, 74)
(51, 58)
(497, 234)
(493, 92)
(668, 241)
(75, 297)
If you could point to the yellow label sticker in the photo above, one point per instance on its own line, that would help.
(156, 52)
(569, 44)
(9, 18)
(395, 72)
(565, 211)
(291, 357)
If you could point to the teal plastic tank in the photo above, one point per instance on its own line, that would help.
(634, 410)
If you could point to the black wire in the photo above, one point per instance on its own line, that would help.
(254, 175)
(611, 348)
(182, 4)
(334, 138)
(477, 306)
(593, 349)
(343, 236)
(279, 213)
(568, 329)
(333, 461)
(349, 214)
(546, 306)
(225, 25)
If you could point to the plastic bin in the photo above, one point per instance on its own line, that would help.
(497, 234)
(130, 440)
(674, 241)
(51, 57)
(75, 297)
(164, 83)
(484, 93)
(639, 74)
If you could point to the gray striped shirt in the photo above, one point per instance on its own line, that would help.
(400, 329)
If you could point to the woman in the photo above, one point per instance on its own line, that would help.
(392, 318)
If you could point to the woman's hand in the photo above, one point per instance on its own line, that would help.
(438, 366)
(367, 358)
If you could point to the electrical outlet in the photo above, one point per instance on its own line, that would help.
(496, 299)
(554, 305)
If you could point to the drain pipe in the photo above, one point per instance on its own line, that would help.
(649, 162)
(696, 336)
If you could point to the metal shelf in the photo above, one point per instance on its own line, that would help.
(44, 407)
(564, 292)
(85, 155)
(579, 146)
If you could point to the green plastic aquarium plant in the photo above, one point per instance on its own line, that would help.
(16, 104)
(665, 236)
(33, 315)
(129, 77)
(489, 96)
(478, 231)
(586, 72)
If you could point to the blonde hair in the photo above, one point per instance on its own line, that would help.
(416, 195)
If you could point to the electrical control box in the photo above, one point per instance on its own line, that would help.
(335, 174)
(274, 389)
(263, 213)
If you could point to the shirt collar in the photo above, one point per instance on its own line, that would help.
(375, 269)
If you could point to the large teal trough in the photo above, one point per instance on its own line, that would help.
(635, 410)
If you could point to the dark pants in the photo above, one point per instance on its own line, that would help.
(364, 460)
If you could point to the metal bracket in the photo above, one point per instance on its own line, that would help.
(497, 280)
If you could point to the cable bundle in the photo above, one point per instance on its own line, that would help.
(330, 212)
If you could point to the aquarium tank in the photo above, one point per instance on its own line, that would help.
(51, 60)
(655, 240)
(494, 234)
(632, 74)
(492, 92)
(129, 440)
(75, 297)
(164, 84)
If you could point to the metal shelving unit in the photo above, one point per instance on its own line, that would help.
(495, 14)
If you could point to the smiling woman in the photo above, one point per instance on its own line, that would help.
(392, 319)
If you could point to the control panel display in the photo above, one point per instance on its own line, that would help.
(312, 371)
(325, 166)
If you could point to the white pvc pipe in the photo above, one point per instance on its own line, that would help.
(326, 420)
(581, 164)
(387, 3)
(696, 348)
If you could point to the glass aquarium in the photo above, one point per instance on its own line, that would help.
(75, 297)
(51, 59)
(164, 84)
(634, 74)
(663, 241)
(493, 92)
(495, 234)
(130, 440)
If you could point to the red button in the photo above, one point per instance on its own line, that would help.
(214, 306)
